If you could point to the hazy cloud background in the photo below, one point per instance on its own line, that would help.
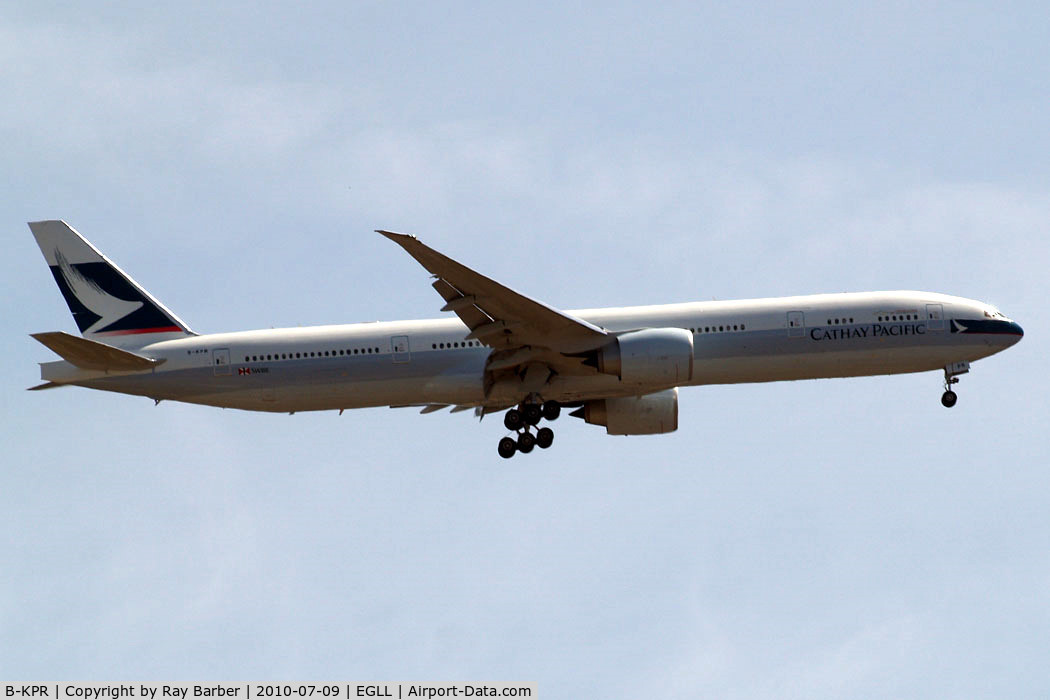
(834, 538)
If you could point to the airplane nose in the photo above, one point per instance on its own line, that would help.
(1015, 329)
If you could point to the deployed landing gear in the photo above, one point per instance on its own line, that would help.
(507, 447)
(521, 420)
(533, 413)
(951, 372)
(551, 410)
(526, 441)
(513, 420)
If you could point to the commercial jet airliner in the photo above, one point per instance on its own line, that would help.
(620, 368)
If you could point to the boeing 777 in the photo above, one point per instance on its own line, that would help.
(620, 368)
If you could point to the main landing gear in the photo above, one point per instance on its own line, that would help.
(521, 420)
(951, 372)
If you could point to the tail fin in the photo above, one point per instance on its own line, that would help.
(107, 305)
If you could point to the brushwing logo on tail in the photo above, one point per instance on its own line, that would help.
(107, 307)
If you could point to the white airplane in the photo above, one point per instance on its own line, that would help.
(618, 367)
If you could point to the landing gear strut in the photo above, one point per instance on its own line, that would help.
(521, 420)
(951, 372)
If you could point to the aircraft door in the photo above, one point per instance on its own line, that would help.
(399, 348)
(796, 324)
(220, 360)
(935, 317)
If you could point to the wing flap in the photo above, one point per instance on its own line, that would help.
(463, 305)
(45, 385)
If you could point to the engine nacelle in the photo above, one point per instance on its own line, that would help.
(651, 414)
(651, 357)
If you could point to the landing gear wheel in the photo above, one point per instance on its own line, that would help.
(551, 410)
(513, 420)
(507, 447)
(526, 441)
(544, 438)
(951, 378)
(533, 413)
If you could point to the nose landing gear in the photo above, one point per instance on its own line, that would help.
(951, 372)
(521, 420)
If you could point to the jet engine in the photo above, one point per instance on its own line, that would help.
(650, 357)
(650, 414)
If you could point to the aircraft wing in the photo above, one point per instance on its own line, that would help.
(499, 316)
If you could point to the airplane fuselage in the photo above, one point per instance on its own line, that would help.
(432, 362)
(620, 368)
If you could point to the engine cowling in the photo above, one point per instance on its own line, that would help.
(651, 414)
(650, 357)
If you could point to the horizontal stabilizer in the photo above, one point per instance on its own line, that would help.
(89, 354)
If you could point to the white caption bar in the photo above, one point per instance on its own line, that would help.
(261, 691)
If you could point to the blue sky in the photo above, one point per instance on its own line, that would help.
(845, 538)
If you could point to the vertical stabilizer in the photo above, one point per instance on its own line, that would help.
(107, 305)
